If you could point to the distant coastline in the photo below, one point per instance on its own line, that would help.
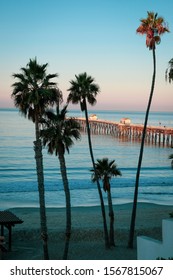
(156, 118)
(99, 110)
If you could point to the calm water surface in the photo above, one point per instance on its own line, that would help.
(18, 181)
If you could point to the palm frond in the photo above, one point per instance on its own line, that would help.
(148, 27)
(83, 88)
(59, 131)
(35, 88)
(105, 170)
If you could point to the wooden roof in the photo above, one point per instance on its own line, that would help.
(7, 217)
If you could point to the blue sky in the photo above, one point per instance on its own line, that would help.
(95, 36)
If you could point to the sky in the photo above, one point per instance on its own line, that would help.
(94, 36)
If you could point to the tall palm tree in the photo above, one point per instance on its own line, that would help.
(105, 171)
(152, 27)
(32, 93)
(84, 89)
(58, 133)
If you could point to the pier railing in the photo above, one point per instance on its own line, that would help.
(156, 135)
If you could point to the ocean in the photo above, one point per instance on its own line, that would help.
(18, 180)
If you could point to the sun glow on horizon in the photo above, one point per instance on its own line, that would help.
(106, 47)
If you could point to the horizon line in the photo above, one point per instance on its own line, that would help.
(106, 110)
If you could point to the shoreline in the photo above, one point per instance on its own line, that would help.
(87, 238)
(117, 202)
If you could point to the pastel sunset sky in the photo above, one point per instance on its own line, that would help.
(94, 36)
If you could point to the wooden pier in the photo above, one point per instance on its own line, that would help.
(156, 135)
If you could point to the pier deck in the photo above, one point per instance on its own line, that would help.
(156, 135)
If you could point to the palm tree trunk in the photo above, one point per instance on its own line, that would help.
(133, 217)
(68, 203)
(40, 179)
(107, 245)
(111, 216)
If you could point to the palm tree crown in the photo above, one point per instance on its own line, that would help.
(59, 131)
(105, 171)
(34, 90)
(152, 27)
(81, 89)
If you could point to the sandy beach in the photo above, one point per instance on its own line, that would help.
(87, 240)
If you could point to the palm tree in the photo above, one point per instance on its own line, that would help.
(152, 27)
(169, 71)
(84, 89)
(32, 93)
(105, 171)
(57, 135)
(169, 77)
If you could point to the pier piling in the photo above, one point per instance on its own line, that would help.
(161, 136)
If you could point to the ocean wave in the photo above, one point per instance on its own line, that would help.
(119, 184)
(18, 179)
(157, 193)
